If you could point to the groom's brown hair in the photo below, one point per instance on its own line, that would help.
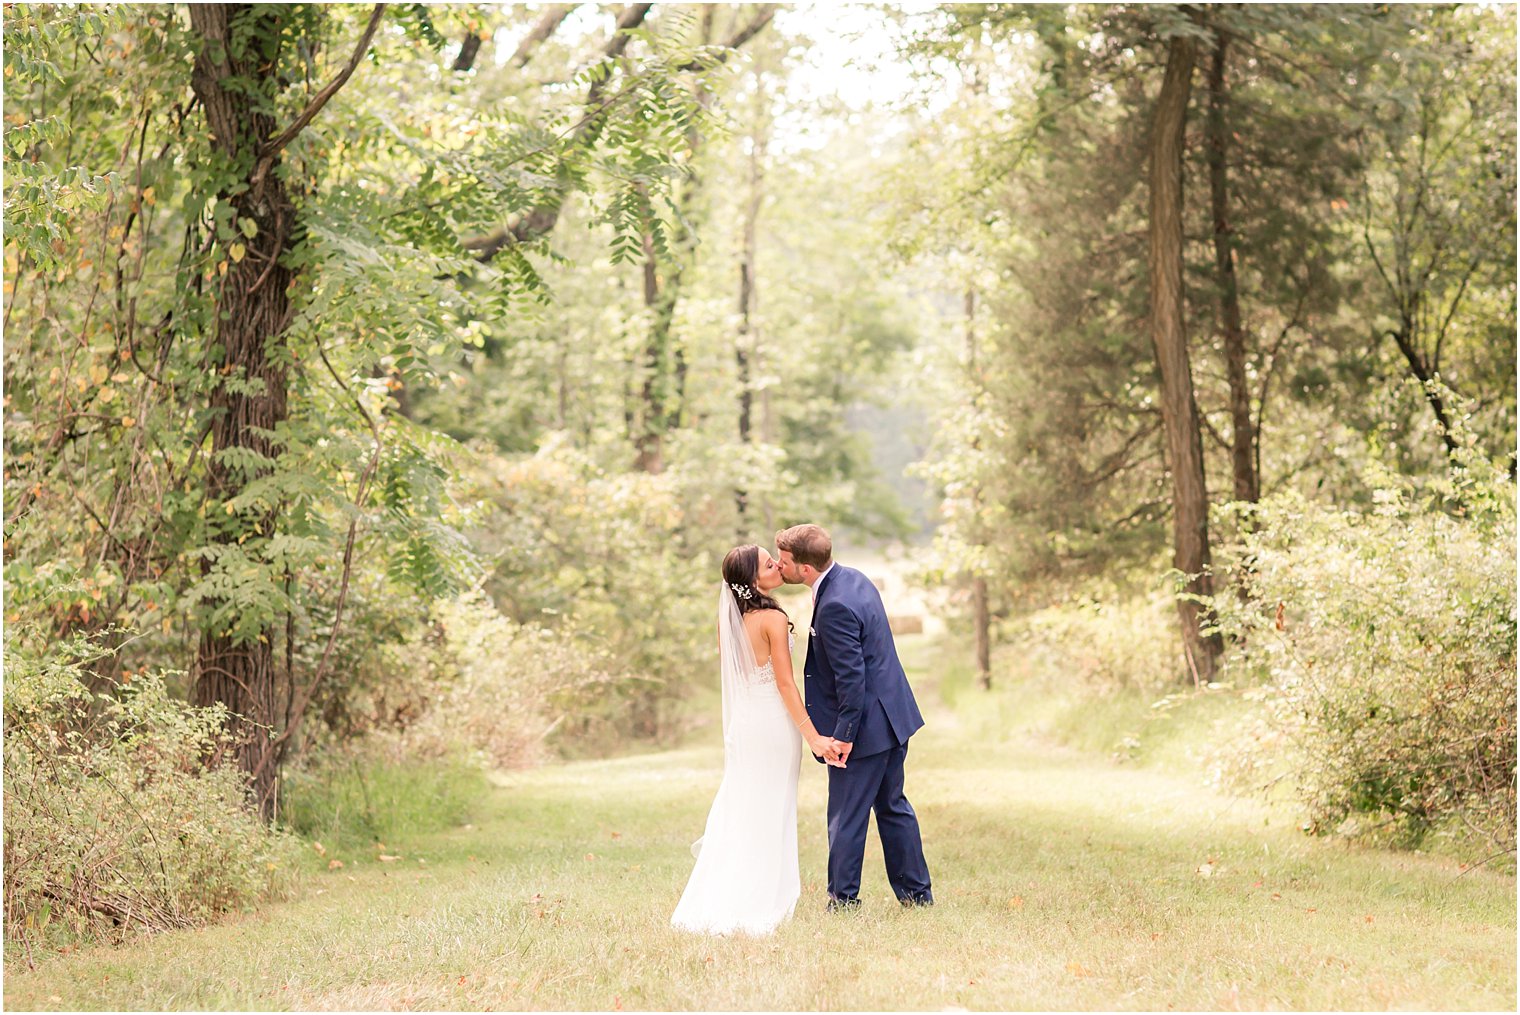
(808, 544)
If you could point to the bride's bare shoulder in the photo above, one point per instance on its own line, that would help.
(768, 621)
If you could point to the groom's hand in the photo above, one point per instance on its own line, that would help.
(830, 752)
(843, 750)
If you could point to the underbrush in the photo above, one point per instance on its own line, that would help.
(1370, 680)
(378, 792)
(120, 814)
(1101, 675)
(469, 692)
(1384, 646)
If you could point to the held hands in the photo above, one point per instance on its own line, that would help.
(835, 752)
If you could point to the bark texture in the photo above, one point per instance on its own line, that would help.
(253, 309)
(1243, 436)
(233, 76)
(1184, 441)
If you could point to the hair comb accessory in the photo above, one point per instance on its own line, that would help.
(742, 591)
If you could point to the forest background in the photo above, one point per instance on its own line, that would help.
(384, 384)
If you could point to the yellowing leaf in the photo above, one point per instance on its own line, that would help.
(236, 251)
(128, 422)
(99, 373)
(106, 394)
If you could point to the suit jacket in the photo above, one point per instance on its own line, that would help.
(856, 688)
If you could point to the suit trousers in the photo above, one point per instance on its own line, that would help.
(875, 782)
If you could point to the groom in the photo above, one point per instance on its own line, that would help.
(856, 688)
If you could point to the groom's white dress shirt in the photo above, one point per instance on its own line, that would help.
(819, 583)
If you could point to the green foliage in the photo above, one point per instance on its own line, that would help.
(120, 230)
(375, 790)
(618, 561)
(1436, 211)
(1103, 643)
(467, 692)
(506, 688)
(1385, 644)
(119, 814)
(1343, 124)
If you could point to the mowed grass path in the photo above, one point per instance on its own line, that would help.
(1063, 881)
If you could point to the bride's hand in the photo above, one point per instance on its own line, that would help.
(826, 748)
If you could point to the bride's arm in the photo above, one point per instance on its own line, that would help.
(776, 631)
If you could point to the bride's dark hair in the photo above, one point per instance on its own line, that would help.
(741, 569)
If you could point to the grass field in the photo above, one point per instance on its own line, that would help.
(1064, 879)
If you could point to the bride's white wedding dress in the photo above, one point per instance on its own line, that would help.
(746, 876)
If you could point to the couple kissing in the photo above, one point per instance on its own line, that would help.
(858, 716)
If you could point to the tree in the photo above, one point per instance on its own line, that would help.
(1179, 411)
(1435, 212)
(1243, 450)
(237, 79)
(284, 259)
(663, 363)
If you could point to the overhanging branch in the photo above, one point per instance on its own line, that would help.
(272, 147)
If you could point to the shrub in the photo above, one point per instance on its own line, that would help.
(471, 689)
(1102, 644)
(505, 687)
(620, 563)
(1386, 641)
(114, 821)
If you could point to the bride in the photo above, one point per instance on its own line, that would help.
(746, 875)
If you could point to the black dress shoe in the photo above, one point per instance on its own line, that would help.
(916, 900)
(840, 905)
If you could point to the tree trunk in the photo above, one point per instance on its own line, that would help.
(649, 441)
(665, 356)
(981, 618)
(1243, 436)
(1190, 502)
(744, 345)
(253, 309)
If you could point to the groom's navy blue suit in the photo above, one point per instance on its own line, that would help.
(857, 692)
